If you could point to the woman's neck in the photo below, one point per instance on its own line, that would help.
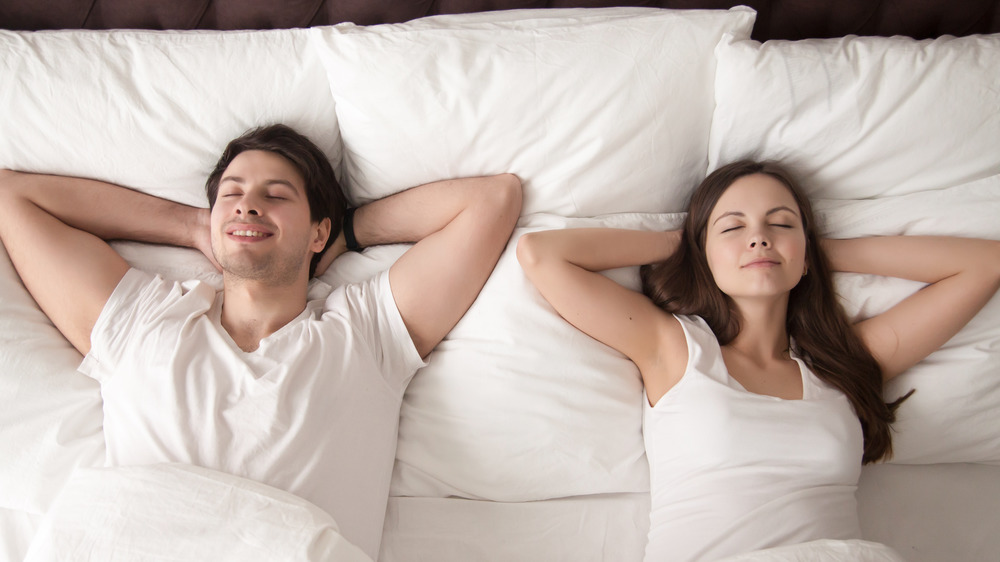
(763, 329)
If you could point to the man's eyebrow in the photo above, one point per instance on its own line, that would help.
(741, 214)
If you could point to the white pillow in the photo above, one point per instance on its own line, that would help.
(516, 404)
(597, 111)
(153, 110)
(954, 416)
(862, 117)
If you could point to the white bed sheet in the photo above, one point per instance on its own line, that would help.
(927, 513)
(933, 512)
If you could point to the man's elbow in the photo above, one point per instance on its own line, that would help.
(507, 194)
(8, 188)
(499, 202)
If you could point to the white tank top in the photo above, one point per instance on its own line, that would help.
(732, 471)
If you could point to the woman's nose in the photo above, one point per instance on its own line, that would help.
(758, 240)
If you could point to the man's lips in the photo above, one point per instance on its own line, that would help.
(249, 231)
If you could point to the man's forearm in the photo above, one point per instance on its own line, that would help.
(109, 211)
(414, 214)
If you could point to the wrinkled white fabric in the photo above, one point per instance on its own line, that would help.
(178, 513)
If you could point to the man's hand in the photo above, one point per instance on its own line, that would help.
(202, 237)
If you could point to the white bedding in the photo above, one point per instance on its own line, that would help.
(522, 438)
(823, 551)
(174, 512)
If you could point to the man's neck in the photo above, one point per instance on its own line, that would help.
(251, 310)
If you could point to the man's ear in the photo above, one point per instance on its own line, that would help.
(322, 234)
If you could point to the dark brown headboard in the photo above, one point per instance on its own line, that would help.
(777, 19)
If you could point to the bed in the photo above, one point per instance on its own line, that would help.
(521, 439)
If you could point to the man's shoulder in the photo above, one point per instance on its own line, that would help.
(152, 290)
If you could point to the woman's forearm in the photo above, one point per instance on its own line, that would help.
(927, 259)
(598, 249)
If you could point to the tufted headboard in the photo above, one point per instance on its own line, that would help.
(777, 19)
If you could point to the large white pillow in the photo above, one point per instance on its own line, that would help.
(954, 416)
(862, 117)
(516, 404)
(153, 110)
(597, 110)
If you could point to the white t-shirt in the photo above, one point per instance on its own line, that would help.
(314, 410)
(732, 471)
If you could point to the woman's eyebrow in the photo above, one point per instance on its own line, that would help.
(741, 214)
(781, 208)
(729, 214)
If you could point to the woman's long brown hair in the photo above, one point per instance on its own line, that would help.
(823, 336)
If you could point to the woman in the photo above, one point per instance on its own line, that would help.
(762, 400)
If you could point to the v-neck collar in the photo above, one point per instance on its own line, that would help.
(803, 374)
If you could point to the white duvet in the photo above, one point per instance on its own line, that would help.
(178, 512)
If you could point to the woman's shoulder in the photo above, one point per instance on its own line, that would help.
(680, 337)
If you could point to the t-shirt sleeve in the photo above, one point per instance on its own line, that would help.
(137, 306)
(377, 319)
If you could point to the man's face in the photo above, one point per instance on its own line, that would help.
(261, 225)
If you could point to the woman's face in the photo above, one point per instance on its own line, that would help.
(755, 243)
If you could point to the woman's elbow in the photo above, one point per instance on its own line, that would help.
(527, 251)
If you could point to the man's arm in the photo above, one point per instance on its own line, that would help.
(460, 228)
(54, 229)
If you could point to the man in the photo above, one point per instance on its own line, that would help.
(257, 380)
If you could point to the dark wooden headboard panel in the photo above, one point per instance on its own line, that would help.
(777, 19)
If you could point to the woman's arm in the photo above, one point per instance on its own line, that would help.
(962, 275)
(563, 265)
